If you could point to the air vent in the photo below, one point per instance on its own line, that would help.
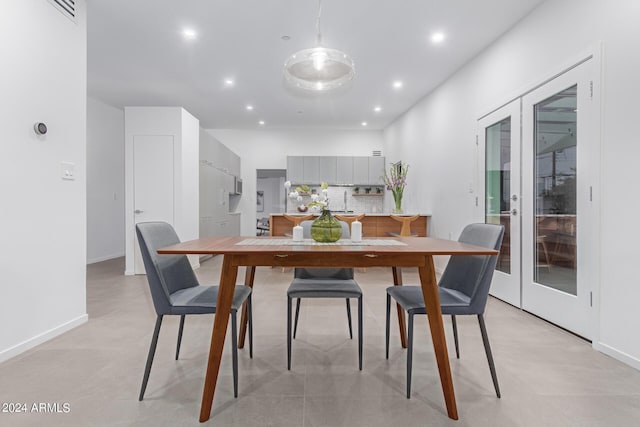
(66, 7)
(376, 153)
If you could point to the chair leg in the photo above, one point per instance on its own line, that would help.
(180, 335)
(360, 331)
(295, 326)
(455, 334)
(152, 352)
(289, 302)
(487, 349)
(409, 354)
(250, 322)
(234, 351)
(349, 318)
(388, 325)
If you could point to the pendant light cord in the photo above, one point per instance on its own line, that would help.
(319, 37)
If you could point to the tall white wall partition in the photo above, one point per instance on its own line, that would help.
(440, 133)
(171, 127)
(42, 215)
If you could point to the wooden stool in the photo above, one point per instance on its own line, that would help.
(349, 218)
(406, 221)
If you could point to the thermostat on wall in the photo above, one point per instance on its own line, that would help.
(40, 128)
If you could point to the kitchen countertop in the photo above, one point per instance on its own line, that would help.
(350, 213)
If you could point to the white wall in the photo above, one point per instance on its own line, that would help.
(273, 195)
(439, 132)
(105, 181)
(268, 149)
(184, 128)
(42, 217)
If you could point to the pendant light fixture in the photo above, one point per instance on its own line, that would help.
(319, 69)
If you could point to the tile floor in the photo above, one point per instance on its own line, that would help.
(548, 377)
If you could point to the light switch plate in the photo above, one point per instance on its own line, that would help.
(68, 171)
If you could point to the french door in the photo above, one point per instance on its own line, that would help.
(539, 156)
(499, 140)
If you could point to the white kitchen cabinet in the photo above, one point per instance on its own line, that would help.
(311, 169)
(361, 170)
(295, 168)
(328, 169)
(344, 170)
(376, 170)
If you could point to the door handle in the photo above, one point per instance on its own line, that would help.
(514, 211)
(514, 197)
(137, 211)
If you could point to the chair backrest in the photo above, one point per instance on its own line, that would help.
(166, 274)
(323, 273)
(471, 274)
(297, 219)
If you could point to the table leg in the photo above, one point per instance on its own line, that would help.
(223, 311)
(249, 275)
(432, 300)
(397, 281)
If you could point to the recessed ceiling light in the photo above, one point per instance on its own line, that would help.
(261, 122)
(229, 82)
(377, 108)
(398, 84)
(285, 38)
(249, 107)
(437, 37)
(189, 34)
(364, 123)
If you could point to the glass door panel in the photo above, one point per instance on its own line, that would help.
(555, 169)
(498, 184)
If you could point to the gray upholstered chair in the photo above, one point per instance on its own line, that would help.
(323, 283)
(175, 291)
(463, 289)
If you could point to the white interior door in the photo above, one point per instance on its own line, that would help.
(153, 179)
(499, 149)
(560, 166)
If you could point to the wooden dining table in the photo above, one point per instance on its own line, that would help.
(251, 252)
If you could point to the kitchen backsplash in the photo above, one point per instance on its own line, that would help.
(362, 203)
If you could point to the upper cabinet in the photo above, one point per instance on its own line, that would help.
(295, 168)
(335, 170)
(328, 166)
(361, 170)
(344, 172)
(376, 170)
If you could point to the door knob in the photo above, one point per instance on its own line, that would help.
(514, 211)
(137, 211)
(514, 197)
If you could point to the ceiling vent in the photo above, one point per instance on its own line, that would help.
(377, 153)
(66, 7)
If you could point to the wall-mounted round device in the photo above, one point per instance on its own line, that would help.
(40, 128)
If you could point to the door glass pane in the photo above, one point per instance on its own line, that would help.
(497, 185)
(555, 172)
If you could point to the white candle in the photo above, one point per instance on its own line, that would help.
(297, 233)
(356, 231)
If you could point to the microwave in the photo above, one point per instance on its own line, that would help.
(237, 187)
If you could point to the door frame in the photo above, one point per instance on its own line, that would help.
(592, 53)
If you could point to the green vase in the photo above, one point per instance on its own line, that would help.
(326, 228)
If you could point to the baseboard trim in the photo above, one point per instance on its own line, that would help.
(105, 258)
(41, 338)
(617, 354)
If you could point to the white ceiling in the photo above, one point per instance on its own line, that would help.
(138, 56)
